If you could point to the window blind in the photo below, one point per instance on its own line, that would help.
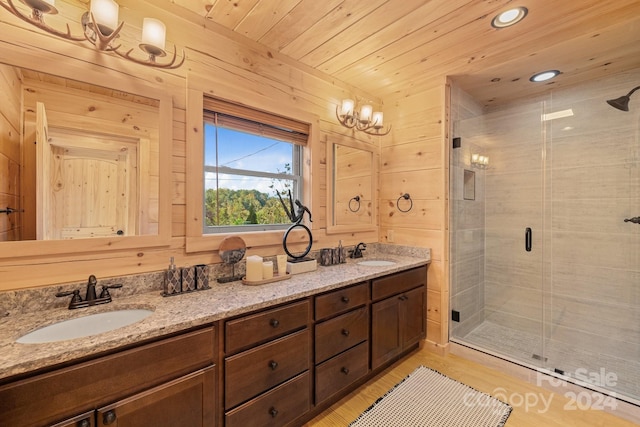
(245, 119)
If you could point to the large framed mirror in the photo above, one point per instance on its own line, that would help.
(80, 163)
(351, 188)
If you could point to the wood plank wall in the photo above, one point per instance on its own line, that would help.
(10, 227)
(415, 161)
(413, 156)
(242, 70)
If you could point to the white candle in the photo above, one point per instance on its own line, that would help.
(267, 270)
(282, 265)
(254, 268)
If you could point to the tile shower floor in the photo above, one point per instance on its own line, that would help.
(527, 347)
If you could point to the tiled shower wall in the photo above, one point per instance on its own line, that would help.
(572, 180)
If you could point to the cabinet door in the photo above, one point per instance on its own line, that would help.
(385, 330)
(187, 401)
(412, 317)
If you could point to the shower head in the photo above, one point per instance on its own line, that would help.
(622, 103)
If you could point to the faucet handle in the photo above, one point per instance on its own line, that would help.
(76, 295)
(105, 290)
(76, 299)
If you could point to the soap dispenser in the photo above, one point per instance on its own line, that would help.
(172, 280)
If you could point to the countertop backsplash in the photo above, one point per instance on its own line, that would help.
(26, 301)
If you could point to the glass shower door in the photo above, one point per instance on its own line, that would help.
(497, 237)
(592, 289)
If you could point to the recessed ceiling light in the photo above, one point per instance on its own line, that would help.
(509, 17)
(544, 76)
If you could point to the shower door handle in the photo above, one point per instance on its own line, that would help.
(635, 220)
(527, 239)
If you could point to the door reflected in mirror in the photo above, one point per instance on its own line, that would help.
(86, 163)
(353, 188)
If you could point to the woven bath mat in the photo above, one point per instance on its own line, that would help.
(428, 398)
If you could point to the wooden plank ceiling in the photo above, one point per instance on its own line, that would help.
(391, 48)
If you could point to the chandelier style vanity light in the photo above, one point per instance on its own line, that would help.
(365, 120)
(101, 28)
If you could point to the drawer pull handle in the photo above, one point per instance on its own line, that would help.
(345, 332)
(274, 322)
(345, 299)
(84, 423)
(273, 365)
(345, 370)
(109, 417)
(273, 411)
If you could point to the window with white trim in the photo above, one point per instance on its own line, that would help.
(249, 157)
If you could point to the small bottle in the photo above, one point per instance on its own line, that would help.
(172, 280)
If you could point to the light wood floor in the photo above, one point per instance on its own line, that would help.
(549, 412)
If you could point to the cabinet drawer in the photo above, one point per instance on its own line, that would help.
(251, 372)
(249, 330)
(337, 373)
(399, 282)
(277, 407)
(340, 333)
(49, 397)
(341, 300)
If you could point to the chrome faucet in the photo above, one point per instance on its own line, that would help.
(91, 298)
(357, 252)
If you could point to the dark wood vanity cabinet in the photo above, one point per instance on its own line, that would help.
(169, 380)
(267, 359)
(279, 365)
(397, 314)
(341, 339)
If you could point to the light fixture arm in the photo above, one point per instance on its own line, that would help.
(38, 21)
(633, 90)
(92, 34)
(152, 59)
(352, 120)
(375, 130)
(347, 120)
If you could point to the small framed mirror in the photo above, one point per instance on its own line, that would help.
(351, 188)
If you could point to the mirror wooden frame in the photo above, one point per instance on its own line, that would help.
(18, 56)
(336, 228)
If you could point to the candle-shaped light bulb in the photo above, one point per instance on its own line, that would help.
(347, 107)
(105, 12)
(365, 113)
(153, 36)
(377, 120)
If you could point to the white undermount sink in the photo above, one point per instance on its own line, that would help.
(84, 326)
(376, 262)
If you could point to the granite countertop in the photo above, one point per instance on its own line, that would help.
(177, 313)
